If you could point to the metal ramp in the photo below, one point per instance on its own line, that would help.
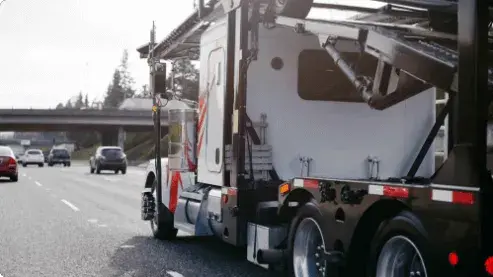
(420, 58)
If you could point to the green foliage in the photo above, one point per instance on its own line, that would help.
(121, 86)
(186, 79)
(139, 146)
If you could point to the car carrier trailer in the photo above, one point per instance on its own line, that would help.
(313, 142)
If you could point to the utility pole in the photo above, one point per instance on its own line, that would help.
(156, 110)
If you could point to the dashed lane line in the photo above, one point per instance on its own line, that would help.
(38, 184)
(72, 206)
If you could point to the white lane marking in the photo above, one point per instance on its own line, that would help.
(93, 220)
(127, 246)
(23, 175)
(38, 184)
(102, 225)
(174, 273)
(72, 206)
(47, 189)
(29, 178)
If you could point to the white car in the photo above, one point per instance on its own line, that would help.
(33, 156)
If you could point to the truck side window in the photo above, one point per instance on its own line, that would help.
(320, 79)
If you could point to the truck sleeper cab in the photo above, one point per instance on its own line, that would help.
(330, 183)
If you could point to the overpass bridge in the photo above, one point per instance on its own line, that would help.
(110, 123)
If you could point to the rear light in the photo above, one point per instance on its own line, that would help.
(284, 189)
(453, 258)
(488, 265)
(396, 192)
(390, 191)
(12, 162)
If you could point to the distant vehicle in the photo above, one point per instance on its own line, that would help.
(33, 156)
(46, 154)
(8, 164)
(58, 156)
(108, 158)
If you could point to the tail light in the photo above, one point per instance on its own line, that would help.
(488, 265)
(12, 162)
(453, 258)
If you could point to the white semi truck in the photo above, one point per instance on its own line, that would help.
(312, 145)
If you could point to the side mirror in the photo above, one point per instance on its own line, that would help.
(159, 79)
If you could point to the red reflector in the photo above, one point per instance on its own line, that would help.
(311, 184)
(488, 265)
(396, 192)
(232, 192)
(453, 258)
(462, 197)
(225, 198)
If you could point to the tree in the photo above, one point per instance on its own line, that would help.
(121, 86)
(115, 94)
(68, 105)
(86, 101)
(59, 106)
(186, 79)
(126, 81)
(79, 103)
(144, 92)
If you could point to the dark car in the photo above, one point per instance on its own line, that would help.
(58, 156)
(108, 158)
(8, 164)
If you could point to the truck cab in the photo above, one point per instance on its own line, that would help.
(313, 145)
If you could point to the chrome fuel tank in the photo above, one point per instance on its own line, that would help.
(182, 154)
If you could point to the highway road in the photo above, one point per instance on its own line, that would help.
(66, 222)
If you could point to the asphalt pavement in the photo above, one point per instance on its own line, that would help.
(64, 222)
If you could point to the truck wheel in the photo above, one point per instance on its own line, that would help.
(308, 248)
(398, 249)
(162, 223)
(306, 245)
(293, 8)
(91, 170)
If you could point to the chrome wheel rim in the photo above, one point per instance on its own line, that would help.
(400, 257)
(154, 222)
(308, 250)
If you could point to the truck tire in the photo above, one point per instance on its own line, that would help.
(400, 244)
(162, 224)
(305, 239)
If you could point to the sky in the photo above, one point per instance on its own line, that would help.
(52, 49)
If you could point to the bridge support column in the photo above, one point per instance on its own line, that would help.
(121, 137)
(109, 137)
